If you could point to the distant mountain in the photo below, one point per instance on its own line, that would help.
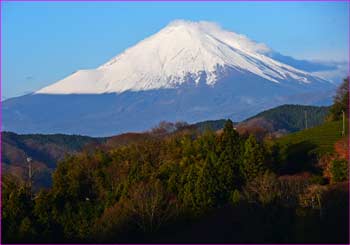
(305, 65)
(183, 52)
(334, 71)
(188, 71)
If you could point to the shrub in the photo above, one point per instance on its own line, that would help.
(339, 170)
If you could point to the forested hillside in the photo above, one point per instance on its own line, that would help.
(283, 119)
(44, 150)
(143, 191)
(293, 118)
(47, 150)
(210, 124)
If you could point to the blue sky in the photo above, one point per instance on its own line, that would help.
(43, 42)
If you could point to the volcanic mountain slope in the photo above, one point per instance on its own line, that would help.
(189, 71)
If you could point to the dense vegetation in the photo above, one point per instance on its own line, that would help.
(188, 186)
(138, 192)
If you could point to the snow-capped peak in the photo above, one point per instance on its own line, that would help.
(181, 52)
(233, 39)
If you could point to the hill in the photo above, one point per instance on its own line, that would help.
(45, 151)
(322, 137)
(292, 117)
(210, 124)
(304, 150)
(171, 189)
(284, 119)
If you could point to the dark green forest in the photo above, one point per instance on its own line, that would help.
(290, 118)
(191, 186)
(294, 117)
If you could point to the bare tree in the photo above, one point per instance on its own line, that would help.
(150, 205)
(263, 189)
(313, 197)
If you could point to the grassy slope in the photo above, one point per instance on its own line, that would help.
(323, 136)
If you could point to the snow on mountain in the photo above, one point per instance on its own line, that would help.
(188, 71)
(180, 53)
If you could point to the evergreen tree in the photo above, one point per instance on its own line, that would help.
(16, 208)
(207, 184)
(230, 140)
(254, 158)
(227, 176)
(188, 196)
(230, 160)
(341, 101)
(206, 144)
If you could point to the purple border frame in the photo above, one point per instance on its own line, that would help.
(198, 1)
(174, 0)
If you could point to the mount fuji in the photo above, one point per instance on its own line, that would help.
(188, 71)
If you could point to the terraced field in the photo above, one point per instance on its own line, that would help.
(322, 137)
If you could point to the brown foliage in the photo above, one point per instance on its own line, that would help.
(114, 221)
(341, 147)
(269, 188)
(150, 206)
(313, 197)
